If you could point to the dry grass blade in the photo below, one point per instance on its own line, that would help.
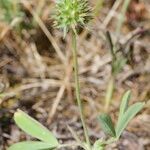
(14, 22)
(46, 31)
(111, 13)
(56, 103)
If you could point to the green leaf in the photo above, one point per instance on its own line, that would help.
(34, 128)
(99, 145)
(128, 115)
(124, 103)
(118, 65)
(31, 145)
(106, 124)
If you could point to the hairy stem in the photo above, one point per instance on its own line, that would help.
(77, 86)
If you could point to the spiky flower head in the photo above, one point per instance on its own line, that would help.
(71, 13)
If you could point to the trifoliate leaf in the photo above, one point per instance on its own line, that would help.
(107, 125)
(128, 115)
(31, 145)
(34, 128)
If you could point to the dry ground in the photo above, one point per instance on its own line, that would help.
(36, 73)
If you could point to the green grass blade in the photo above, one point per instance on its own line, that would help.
(31, 145)
(106, 124)
(128, 115)
(34, 128)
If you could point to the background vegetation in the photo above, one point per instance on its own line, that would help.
(36, 69)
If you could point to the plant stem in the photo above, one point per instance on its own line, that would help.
(69, 145)
(77, 86)
(109, 93)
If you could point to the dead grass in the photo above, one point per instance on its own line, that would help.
(36, 72)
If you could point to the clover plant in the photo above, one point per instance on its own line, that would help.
(46, 140)
(68, 16)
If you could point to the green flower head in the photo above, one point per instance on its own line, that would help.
(71, 13)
